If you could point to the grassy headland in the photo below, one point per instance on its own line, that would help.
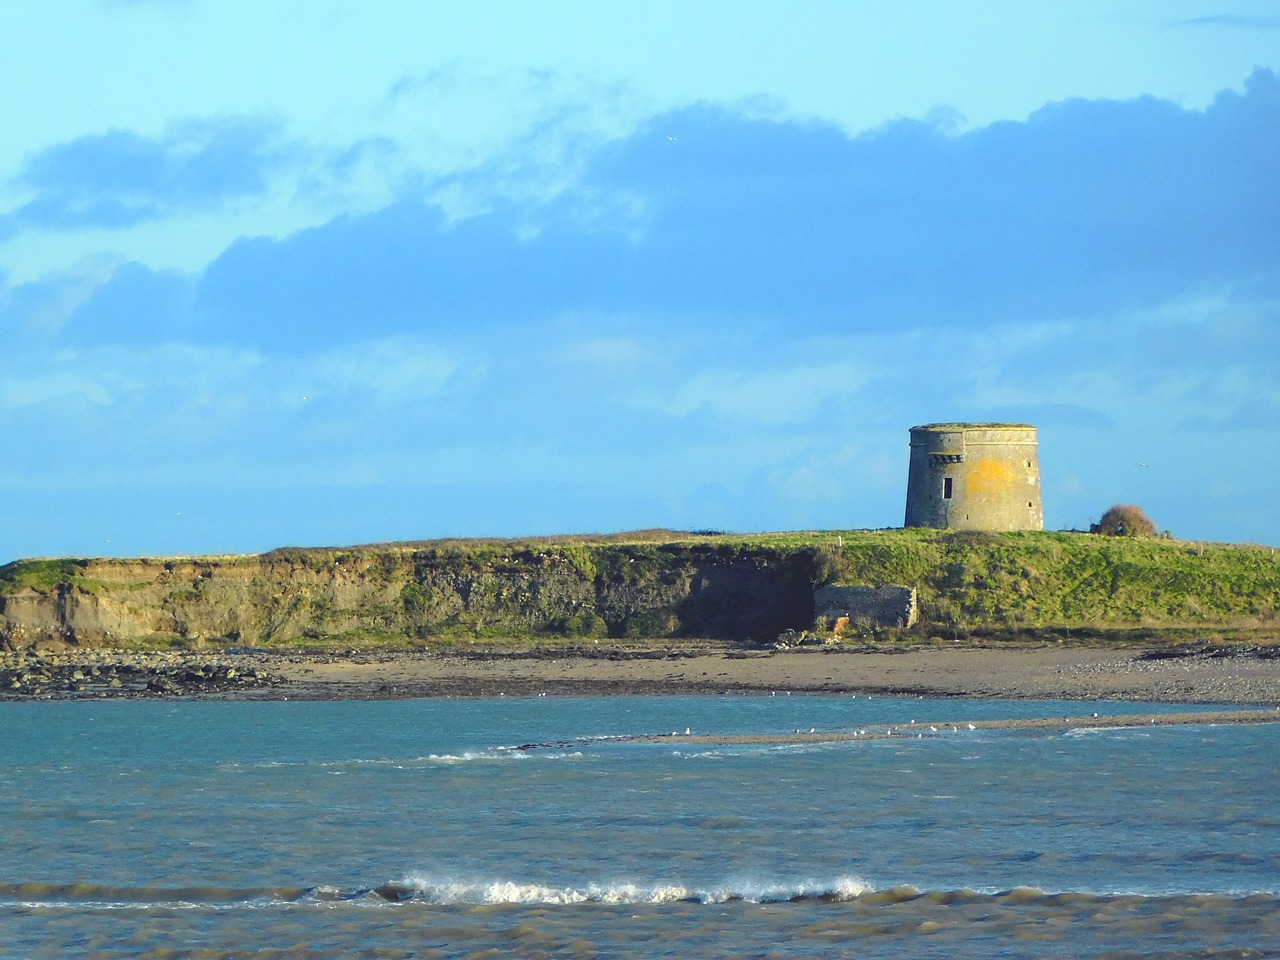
(649, 585)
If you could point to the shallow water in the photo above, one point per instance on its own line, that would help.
(413, 828)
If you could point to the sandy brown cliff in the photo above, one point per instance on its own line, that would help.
(292, 596)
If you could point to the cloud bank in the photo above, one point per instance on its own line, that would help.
(119, 179)
(717, 320)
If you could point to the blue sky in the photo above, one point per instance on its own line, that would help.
(326, 273)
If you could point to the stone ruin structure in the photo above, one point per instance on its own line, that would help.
(888, 605)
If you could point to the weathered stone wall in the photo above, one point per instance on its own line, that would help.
(888, 605)
(974, 476)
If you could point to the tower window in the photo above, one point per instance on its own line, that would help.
(946, 488)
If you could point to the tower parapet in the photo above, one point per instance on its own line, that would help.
(974, 476)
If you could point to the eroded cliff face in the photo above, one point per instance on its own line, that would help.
(288, 597)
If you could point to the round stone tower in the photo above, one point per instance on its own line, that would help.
(974, 476)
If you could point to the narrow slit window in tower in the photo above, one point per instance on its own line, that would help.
(946, 488)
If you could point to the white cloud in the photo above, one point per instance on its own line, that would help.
(47, 304)
(620, 358)
(172, 379)
(396, 370)
(769, 397)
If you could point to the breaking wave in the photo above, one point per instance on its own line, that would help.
(506, 891)
(449, 892)
(486, 755)
(425, 890)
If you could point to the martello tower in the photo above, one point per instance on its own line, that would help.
(974, 476)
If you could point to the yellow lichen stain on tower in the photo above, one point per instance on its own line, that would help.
(988, 477)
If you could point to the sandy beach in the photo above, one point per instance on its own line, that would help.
(1244, 676)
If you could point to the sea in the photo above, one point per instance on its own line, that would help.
(535, 827)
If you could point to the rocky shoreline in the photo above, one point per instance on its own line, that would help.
(78, 675)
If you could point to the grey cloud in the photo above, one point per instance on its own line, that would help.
(1088, 208)
(410, 84)
(117, 179)
(100, 301)
(37, 311)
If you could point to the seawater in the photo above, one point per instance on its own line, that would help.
(419, 829)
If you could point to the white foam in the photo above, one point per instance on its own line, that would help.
(500, 754)
(467, 757)
(1077, 733)
(451, 891)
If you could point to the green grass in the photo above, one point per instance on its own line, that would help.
(39, 574)
(1051, 585)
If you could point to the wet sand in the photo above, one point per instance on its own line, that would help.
(1059, 672)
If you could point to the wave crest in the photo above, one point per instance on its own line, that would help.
(428, 890)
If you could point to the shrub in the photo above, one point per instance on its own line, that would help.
(1124, 520)
(828, 565)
